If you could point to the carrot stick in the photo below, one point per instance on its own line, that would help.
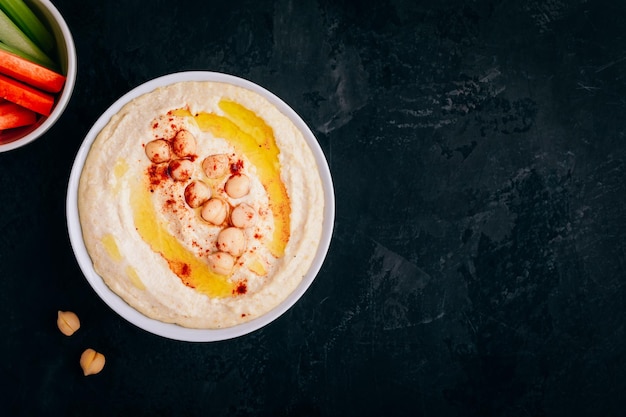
(26, 96)
(13, 115)
(30, 72)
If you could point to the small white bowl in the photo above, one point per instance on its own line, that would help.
(173, 331)
(66, 51)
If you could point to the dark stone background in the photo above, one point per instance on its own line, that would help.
(477, 265)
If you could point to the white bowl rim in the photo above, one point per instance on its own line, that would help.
(67, 91)
(173, 331)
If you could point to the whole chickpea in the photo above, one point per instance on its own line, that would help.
(237, 186)
(184, 143)
(67, 322)
(215, 166)
(215, 211)
(181, 169)
(243, 216)
(231, 240)
(221, 262)
(91, 361)
(158, 151)
(197, 193)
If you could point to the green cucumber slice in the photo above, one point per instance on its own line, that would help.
(11, 35)
(29, 23)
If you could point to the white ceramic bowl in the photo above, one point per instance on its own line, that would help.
(66, 51)
(173, 331)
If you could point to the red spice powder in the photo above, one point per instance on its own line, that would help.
(171, 204)
(157, 174)
(183, 271)
(241, 288)
(175, 164)
(236, 167)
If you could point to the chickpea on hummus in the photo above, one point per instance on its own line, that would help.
(200, 204)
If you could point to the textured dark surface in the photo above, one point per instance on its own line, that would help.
(477, 265)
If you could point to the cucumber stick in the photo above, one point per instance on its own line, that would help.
(11, 35)
(29, 23)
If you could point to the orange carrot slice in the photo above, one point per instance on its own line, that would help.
(30, 73)
(13, 115)
(26, 96)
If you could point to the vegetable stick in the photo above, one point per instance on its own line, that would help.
(33, 74)
(26, 96)
(13, 36)
(13, 115)
(29, 23)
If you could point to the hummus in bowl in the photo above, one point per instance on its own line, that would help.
(200, 206)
